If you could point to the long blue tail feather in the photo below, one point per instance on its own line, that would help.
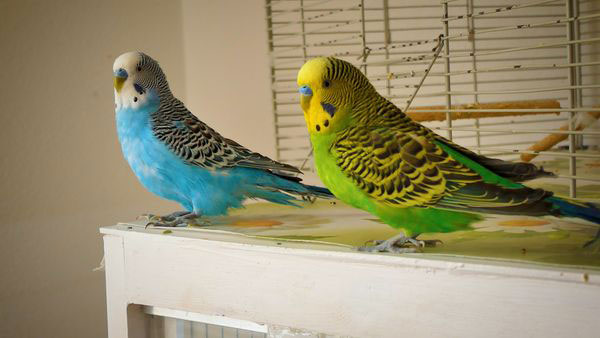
(583, 210)
(273, 196)
(319, 191)
(291, 185)
(281, 189)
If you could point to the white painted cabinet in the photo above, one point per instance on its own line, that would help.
(278, 287)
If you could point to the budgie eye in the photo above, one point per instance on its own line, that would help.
(139, 69)
(326, 84)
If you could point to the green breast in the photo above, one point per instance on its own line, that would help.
(412, 220)
(333, 177)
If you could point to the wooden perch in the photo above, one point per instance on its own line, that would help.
(551, 140)
(421, 114)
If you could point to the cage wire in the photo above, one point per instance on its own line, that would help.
(509, 79)
(167, 323)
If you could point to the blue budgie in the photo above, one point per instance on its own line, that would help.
(178, 157)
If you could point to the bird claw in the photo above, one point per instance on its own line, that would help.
(431, 243)
(594, 240)
(175, 219)
(308, 198)
(398, 244)
(384, 247)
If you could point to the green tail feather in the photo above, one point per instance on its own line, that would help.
(487, 175)
(514, 171)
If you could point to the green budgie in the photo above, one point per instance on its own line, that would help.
(374, 157)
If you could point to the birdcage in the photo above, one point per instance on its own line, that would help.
(510, 79)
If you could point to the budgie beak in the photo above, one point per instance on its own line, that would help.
(120, 77)
(306, 95)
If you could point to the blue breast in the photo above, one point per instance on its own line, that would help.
(206, 192)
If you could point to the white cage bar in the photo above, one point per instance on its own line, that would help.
(494, 51)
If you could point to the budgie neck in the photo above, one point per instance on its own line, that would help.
(164, 94)
(170, 110)
(141, 110)
(375, 110)
(134, 117)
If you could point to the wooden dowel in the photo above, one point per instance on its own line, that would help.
(553, 139)
(421, 114)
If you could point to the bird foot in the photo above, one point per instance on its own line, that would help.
(309, 199)
(175, 219)
(596, 239)
(399, 244)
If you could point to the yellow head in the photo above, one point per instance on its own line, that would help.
(329, 89)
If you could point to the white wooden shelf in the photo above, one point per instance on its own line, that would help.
(268, 286)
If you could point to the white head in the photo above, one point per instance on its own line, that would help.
(137, 78)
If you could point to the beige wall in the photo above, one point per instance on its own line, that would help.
(61, 171)
(227, 68)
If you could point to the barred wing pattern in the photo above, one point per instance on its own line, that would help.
(198, 144)
(407, 168)
(403, 169)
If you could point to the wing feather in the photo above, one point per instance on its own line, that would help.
(197, 144)
(408, 169)
(398, 168)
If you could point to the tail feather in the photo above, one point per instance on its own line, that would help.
(272, 195)
(319, 191)
(282, 189)
(583, 210)
(514, 171)
(293, 185)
